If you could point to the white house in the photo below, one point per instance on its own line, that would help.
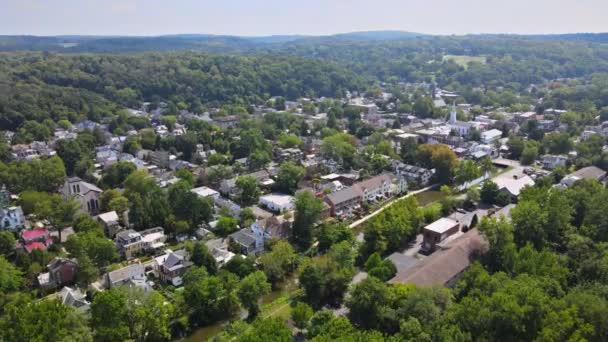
(85, 193)
(204, 192)
(277, 202)
(490, 136)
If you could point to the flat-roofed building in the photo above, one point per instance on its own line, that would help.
(437, 232)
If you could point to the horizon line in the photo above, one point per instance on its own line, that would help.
(302, 35)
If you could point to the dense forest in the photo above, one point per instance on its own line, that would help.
(37, 86)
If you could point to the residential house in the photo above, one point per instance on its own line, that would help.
(205, 192)
(412, 173)
(273, 227)
(488, 137)
(38, 238)
(551, 161)
(227, 122)
(345, 201)
(219, 250)
(513, 182)
(375, 188)
(172, 265)
(247, 242)
(73, 297)
(153, 239)
(291, 154)
(61, 272)
(160, 158)
(129, 243)
(85, 193)
(132, 275)
(11, 217)
(110, 223)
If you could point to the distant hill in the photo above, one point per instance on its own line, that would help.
(247, 45)
(206, 42)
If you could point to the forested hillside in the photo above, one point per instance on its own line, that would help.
(35, 86)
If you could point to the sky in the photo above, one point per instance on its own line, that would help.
(307, 17)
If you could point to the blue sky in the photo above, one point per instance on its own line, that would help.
(314, 17)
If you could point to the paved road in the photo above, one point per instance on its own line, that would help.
(363, 219)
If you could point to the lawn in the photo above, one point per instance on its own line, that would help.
(428, 197)
(465, 60)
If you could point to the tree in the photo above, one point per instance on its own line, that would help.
(330, 234)
(289, 141)
(46, 320)
(210, 298)
(7, 243)
(516, 146)
(148, 314)
(226, 225)
(99, 249)
(439, 157)
(486, 166)
(115, 175)
(186, 144)
(288, 177)
(376, 267)
(58, 211)
(308, 211)
(251, 288)
(119, 204)
(528, 221)
(326, 279)
(70, 152)
(366, 301)
(489, 191)
(185, 175)
(423, 107)
(187, 206)
(279, 262)
(300, 315)
(339, 147)
(109, 316)
(87, 272)
(249, 189)
(11, 278)
(202, 257)
(131, 145)
(467, 171)
(530, 153)
(240, 266)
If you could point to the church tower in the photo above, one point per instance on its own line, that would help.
(453, 114)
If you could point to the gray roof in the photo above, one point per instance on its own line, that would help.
(374, 182)
(589, 172)
(344, 195)
(125, 273)
(445, 264)
(243, 237)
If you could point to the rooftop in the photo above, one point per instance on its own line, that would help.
(445, 264)
(34, 234)
(442, 225)
(204, 191)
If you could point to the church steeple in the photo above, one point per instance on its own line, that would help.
(453, 114)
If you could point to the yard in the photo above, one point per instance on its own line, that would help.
(465, 60)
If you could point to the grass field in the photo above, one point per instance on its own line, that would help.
(465, 60)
